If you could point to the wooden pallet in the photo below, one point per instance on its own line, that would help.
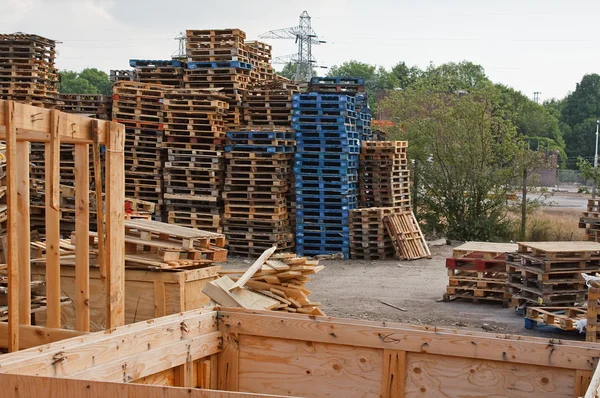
(563, 318)
(406, 236)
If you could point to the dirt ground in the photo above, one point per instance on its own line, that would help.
(353, 289)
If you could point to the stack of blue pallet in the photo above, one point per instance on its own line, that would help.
(363, 118)
(326, 171)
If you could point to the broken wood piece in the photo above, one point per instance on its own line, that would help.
(392, 305)
(241, 297)
(254, 267)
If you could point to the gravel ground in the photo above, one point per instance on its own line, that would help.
(353, 289)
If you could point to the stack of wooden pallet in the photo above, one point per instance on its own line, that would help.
(27, 71)
(274, 282)
(590, 220)
(369, 239)
(342, 85)
(167, 72)
(259, 56)
(549, 273)
(256, 189)
(194, 170)
(139, 107)
(384, 175)
(218, 60)
(92, 105)
(477, 272)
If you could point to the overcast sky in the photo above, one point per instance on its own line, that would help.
(531, 45)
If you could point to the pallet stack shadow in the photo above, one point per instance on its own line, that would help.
(549, 273)
(326, 171)
(590, 220)
(193, 172)
(27, 71)
(139, 107)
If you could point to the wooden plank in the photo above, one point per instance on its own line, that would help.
(106, 347)
(24, 233)
(12, 202)
(507, 348)
(593, 309)
(582, 382)
(243, 297)
(33, 123)
(254, 267)
(33, 336)
(308, 369)
(433, 375)
(160, 305)
(18, 386)
(82, 230)
(393, 380)
(115, 228)
(487, 247)
(101, 256)
(228, 363)
(167, 229)
(219, 295)
(133, 367)
(52, 208)
(184, 374)
(566, 246)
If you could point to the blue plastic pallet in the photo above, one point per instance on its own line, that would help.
(327, 135)
(251, 135)
(339, 222)
(325, 201)
(303, 228)
(324, 112)
(302, 106)
(135, 63)
(259, 148)
(223, 64)
(326, 164)
(325, 242)
(323, 127)
(324, 214)
(359, 81)
(328, 142)
(312, 181)
(331, 149)
(321, 120)
(332, 97)
(312, 156)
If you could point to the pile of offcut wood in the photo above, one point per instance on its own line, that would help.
(274, 282)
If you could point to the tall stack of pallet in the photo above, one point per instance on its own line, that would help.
(363, 118)
(256, 188)
(139, 107)
(92, 105)
(167, 72)
(590, 220)
(326, 171)
(549, 273)
(194, 136)
(259, 56)
(217, 59)
(384, 175)
(121, 75)
(27, 71)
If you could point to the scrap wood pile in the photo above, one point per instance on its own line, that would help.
(27, 71)
(274, 282)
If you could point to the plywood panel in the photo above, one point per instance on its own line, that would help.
(439, 376)
(166, 378)
(305, 368)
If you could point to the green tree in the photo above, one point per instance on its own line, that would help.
(451, 77)
(98, 79)
(465, 150)
(407, 76)
(289, 71)
(88, 81)
(584, 102)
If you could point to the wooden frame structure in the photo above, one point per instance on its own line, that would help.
(236, 352)
(20, 125)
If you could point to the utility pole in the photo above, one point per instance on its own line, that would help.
(536, 97)
(305, 38)
(595, 161)
(181, 53)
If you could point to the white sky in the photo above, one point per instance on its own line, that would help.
(531, 45)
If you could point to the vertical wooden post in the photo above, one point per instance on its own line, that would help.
(52, 190)
(115, 226)
(24, 233)
(82, 232)
(13, 219)
(591, 329)
(185, 376)
(228, 363)
(393, 382)
(160, 299)
(101, 258)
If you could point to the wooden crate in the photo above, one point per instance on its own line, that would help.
(254, 353)
(148, 294)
